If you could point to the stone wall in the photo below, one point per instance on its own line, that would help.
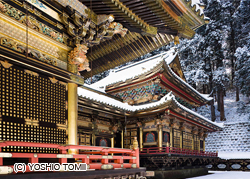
(235, 137)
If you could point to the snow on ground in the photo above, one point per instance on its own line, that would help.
(225, 175)
(235, 111)
(234, 155)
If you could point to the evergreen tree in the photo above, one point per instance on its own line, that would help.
(242, 53)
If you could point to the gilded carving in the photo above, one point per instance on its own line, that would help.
(150, 31)
(32, 52)
(6, 64)
(10, 44)
(63, 55)
(53, 80)
(103, 18)
(65, 84)
(118, 28)
(2, 7)
(31, 22)
(31, 73)
(78, 57)
(135, 143)
(77, 79)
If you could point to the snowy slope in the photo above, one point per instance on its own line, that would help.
(235, 137)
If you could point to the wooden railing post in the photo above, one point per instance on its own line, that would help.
(63, 151)
(34, 159)
(167, 148)
(105, 158)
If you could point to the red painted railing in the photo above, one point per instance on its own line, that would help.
(109, 158)
(174, 150)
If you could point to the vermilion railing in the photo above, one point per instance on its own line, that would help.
(110, 158)
(174, 150)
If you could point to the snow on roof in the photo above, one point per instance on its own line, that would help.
(205, 96)
(197, 114)
(125, 106)
(103, 99)
(115, 103)
(139, 68)
(197, 3)
(134, 70)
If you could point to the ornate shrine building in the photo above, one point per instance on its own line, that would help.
(149, 100)
(47, 48)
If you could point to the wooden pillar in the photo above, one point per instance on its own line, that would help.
(204, 142)
(160, 136)
(181, 139)
(171, 137)
(199, 146)
(93, 139)
(192, 141)
(141, 138)
(112, 140)
(122, 139)
(72, 116)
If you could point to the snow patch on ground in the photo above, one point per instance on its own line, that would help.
(235, 111)
(234, 155)
(225, 175)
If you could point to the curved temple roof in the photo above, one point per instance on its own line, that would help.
(143, 67)
(166, 102)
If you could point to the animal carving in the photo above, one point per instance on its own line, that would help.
(118, 28)
(78, 57)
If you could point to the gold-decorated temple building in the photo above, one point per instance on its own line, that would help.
(149, 100)
(48, 48)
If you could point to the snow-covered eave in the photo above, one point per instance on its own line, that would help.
(85, 86)
(196, 12)
(219, 125)
(111, 80)
(198, 7)
(205, 97)
(168, 98)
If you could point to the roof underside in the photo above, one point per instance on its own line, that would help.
(119, 50)
(140, 17)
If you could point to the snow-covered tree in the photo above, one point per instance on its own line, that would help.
(242, 53)
(243, 69)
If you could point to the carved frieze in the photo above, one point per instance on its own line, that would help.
(14, 45)
(31, 21)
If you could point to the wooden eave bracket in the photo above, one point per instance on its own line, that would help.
(132, 17)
